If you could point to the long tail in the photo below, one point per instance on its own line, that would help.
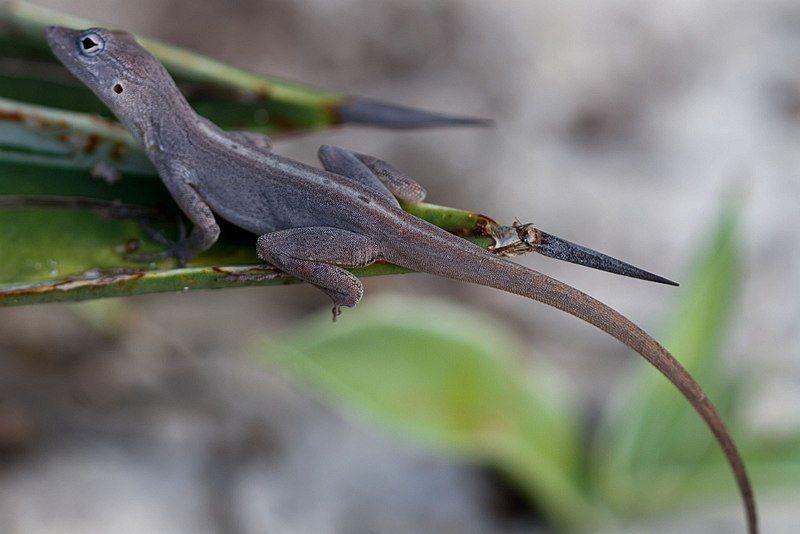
(436, 252)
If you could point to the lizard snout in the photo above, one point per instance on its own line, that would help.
(59, 35)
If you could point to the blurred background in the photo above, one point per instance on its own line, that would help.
(631, 127)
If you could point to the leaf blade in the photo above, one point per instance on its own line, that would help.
(230, 96)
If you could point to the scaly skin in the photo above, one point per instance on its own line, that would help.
(313, 223)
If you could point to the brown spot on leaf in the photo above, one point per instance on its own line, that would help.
(264, 94)
(334, 112)
(119, 151)
(90, 279)
(12, 116)
(92, 143)
(482, 227)
(29, 120)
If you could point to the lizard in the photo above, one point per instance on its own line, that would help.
(314, 223)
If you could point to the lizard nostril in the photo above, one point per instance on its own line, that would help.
(117, 88)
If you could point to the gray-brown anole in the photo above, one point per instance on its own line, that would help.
(315, 223)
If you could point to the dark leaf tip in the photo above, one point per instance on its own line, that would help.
(380, 114)
(561, 249)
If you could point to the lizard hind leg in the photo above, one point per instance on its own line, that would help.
(318, 255)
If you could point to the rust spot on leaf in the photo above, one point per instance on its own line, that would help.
(482, 228)
(264, 93)
(334, 112)
(81, 142)
(92, 142)
(11, 116)
(89, 279)
(105, 122)
(119, 151)
(31, 121)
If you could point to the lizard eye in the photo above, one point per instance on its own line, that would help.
(91, 44)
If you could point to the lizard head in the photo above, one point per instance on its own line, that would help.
(112, 64)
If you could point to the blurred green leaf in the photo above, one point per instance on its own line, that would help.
(437, 374)
(653, 439)
(440, 375)
(773, 464)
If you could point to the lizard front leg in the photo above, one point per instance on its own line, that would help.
(205, 230)
(317, 255)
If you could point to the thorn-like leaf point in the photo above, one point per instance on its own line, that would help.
(380, 114)
(561, 249)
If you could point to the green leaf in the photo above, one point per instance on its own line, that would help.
(51, 138)
(229, 96)
(58, 249)
(65, 231)
(440, 376)
(653, 439)
(77, 192)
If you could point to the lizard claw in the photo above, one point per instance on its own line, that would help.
(178, 249)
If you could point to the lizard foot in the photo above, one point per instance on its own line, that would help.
(318, 255)
(178, 249)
